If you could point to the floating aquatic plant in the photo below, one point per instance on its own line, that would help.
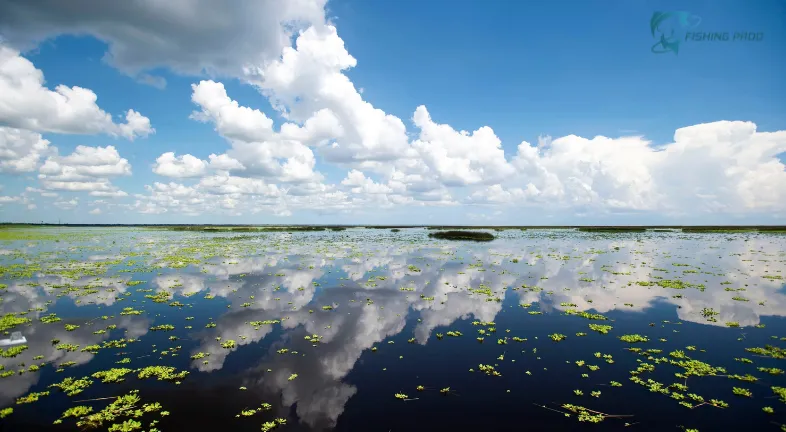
(741, 392)
(769, 351)
(162, 373)
(557, 337)
(600, 328)
(112, 375)
(780, 392)
(71, 386)
(31, 397)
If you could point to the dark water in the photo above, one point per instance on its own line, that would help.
(343, 383)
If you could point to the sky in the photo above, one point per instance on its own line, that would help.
(381, 112)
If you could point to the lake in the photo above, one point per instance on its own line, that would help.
(392, 331)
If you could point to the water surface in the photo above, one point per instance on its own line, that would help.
(326, 328)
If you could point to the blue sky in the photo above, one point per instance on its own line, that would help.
(524, 69)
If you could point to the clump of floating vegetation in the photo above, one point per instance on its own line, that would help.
(162, 373)
(125, 406)
(768, 351)
(634, 338)
(112, 375)
(600, 328)
(462, 235)
(11, 320)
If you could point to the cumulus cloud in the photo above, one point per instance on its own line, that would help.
(724, 167)
(189, 37)
(720, 166)
(26, 104)
(256, 147)
(169, 165)
(86, 169)
(21, 150)
(460, 158)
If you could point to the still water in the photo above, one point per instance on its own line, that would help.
(375, 330)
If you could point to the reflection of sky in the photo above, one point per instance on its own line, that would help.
(39, 336)
(291, 281)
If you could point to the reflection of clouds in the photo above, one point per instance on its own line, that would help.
(715, 260)
(449, 284)
(181, 283)
(603, 269)
(267, 304)
(39, 336)
(21, 296)
(349, 330)
(609, 267)
(354, 327)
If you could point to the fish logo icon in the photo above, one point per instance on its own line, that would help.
(665, 26)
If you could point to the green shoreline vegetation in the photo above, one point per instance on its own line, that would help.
(462, 235)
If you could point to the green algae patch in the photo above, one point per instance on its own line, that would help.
(462, 235)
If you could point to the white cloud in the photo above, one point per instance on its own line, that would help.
(86, 169)
(21, 150)
(67, 205)
(460, 158)
(721, 168)
(255, 146)
(308, 81)
(361, 184)
(169, 165)
(26, 104)
(189, 37)
(232, 121)
(224, 163)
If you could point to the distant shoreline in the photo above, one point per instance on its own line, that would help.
(499, 227)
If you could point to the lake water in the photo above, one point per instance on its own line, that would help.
(327, 328)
